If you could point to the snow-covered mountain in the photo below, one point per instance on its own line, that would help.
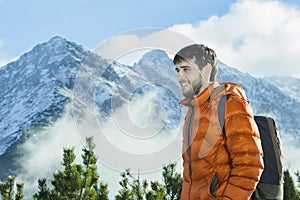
(30, 87)
(287, 84)
(36, 88)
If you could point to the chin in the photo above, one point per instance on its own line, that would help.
(187, 95)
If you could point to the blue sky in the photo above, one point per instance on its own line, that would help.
(23, 24)
(261, 37)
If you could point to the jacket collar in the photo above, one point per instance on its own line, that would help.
(210, 92)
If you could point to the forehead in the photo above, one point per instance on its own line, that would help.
(187, 63)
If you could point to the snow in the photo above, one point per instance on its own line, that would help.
(287, 84)
(56, 58)
(36, 88)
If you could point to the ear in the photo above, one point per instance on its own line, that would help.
(207, 70)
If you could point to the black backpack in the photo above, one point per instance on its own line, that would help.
(270, 186)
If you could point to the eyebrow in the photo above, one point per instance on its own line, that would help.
(183, 67)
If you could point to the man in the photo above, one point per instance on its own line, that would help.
(216, 167)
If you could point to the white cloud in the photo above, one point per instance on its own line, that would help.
(290, 152)
(129, 46)
(259, 37)
(115, 148)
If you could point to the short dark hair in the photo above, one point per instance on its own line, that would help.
(202, 55)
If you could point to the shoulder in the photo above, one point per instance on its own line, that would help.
(237, 101)
(237, 105)
(235, 90)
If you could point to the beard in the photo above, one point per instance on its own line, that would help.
(193, 88)
(197, 85)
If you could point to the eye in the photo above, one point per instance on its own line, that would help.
(186, 69)
(177, 69)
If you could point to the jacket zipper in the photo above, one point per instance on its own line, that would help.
(190, 128)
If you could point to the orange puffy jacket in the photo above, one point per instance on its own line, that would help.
(216, 167)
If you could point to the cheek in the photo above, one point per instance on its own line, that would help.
(195, 79)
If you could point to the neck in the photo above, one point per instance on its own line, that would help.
(215, 84)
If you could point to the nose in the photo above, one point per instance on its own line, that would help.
(181, 79)
(179, 73)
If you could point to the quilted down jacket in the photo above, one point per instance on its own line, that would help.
(215, 167)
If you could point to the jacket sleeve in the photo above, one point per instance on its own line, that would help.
(244, 146)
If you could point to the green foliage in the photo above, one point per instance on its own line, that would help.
(76, 181)
(134, 189)
(138, 189)
(67, 183)
(173, 182)
(7, 189)
(157, 191)
(126, 192)
(102, 191)
(298, 180)
(20, 191)
(290, 191)
(298, 177)
(81, 182)
(44, 191)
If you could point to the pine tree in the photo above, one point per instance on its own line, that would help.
(173, 182)
(76, 181)
(290, 191)
(133, 188)
(138, 187)
(125, 193)
(7, 189)
(102, 191)
(90, 175)
(44, 192)
(157, 192)
(67, 183)
(20, 191)
(298, 180)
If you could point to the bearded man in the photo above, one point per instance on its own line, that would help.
(214, 166)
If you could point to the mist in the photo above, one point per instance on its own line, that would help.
(291, 152)
(132, 138)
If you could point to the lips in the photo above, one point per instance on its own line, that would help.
(183, 83)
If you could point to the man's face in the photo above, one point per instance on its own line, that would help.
(190, 77)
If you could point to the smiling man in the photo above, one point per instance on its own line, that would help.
(216, 167)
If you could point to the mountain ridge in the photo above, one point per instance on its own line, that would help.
(33, 86)
(41, 76)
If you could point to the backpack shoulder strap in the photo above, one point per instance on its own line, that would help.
(221, 112)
